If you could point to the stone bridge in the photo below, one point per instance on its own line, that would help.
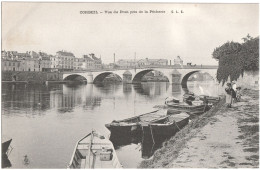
(175, 75)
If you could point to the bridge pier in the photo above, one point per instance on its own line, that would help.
(127, 77)
(89, 78)
(176, 77)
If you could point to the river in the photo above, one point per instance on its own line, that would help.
(46, 121)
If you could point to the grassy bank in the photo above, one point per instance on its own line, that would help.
(220, 138)
(171, 148)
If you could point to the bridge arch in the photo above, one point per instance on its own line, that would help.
(138, 77)
(75, 77)
(186, 77)
(100, 77)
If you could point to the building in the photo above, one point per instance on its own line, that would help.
(10, 65)
(62, 61)
(154, 62)
(65, 60)
(126, 63)
(89, 62)
(79, 64)
(178, 61)
(97, 61)
(45, 61)
(54, 63)
(130, 63)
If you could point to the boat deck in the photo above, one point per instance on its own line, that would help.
(101, 154)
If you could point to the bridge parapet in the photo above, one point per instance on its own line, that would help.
(149, 67)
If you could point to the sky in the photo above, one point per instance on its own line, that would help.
(192, 35)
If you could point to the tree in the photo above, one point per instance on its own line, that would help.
(235, 58)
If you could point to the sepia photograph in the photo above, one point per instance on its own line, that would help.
(143, 85)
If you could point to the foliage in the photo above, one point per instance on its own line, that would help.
(235, 58)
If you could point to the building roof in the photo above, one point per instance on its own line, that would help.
(95, 58)
(126, 60)
(87, 58)
(64, 53)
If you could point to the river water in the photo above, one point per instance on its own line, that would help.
(45, 122)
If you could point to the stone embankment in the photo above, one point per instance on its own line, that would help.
(30, 77)
(220, 138)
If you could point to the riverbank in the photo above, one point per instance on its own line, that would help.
(220, 138)
(31, 76)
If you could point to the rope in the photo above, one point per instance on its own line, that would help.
(151, 132)
(204, 108)
(177, 125)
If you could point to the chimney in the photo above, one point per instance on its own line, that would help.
(170, 62)
(114, 58)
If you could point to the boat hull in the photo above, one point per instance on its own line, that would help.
(131, 127)
(5, 146)
(168, 130)
(160, 131)
(192, 110)
(163, 132)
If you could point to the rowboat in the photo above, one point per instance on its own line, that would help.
(162, 130)
(5, 146)
(131, 126)
(195, 109)
(172, 99)
(94, 151)
(211, 99)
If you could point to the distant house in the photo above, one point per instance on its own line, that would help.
(66, 60)
(45, 61)
(79, 64)
(97, 61)
(89, 62)
(178, 61)
(128, 63)
(10, 65)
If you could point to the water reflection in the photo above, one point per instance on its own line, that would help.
(127, 89)
(148, 144)
(55, 116)
(151, 89)
(176, 89)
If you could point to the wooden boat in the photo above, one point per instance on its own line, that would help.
(172, 99)
(211, 99)
(162, 130)
(94, 151)
(131, 126)
(195, 109)
(5, 146)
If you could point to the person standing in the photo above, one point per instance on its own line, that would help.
(234, 87)
(238, 94)
(230, 93)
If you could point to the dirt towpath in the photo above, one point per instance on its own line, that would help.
(229, 140)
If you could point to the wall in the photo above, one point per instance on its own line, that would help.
(35, 77)
(249, 80)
